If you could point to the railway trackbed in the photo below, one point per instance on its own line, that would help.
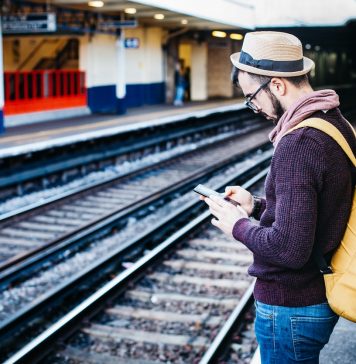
(173, 312)
(29, 236)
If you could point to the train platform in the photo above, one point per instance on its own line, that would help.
(47, 134)
(342, 345)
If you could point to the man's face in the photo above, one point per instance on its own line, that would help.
(266, 102)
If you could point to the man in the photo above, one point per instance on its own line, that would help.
(308, 198)
(180, 83)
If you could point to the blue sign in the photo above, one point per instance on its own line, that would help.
(119, 24)
(132, 43)
(29, 23)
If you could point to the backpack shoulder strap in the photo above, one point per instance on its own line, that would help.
(332, 131)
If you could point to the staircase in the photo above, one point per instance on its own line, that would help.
(67, 57)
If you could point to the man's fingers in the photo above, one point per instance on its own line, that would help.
(212, 204)
(216, 213)
(214, 208)
(219, 201)
(234, 190)
(215, 222)
(228, 191)
(231, 189)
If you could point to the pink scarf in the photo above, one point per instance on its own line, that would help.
(302, 109)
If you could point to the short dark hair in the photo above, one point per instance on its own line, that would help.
(234, 76)
(296, 81)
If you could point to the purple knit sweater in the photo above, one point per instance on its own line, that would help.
(308, 199)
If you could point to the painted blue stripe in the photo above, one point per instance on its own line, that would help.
(121, 106)
(145, 94)
(2, 126)
(102, 99)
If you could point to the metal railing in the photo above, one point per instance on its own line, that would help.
(43, 89)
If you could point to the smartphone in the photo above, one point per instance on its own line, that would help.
(207, 192)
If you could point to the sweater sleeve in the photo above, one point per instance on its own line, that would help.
(297, 170)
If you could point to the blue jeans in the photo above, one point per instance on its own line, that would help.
(288, 335)
(179, 95)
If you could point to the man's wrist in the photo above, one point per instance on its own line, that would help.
(257, 206)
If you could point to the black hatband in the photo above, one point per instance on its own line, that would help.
(270, 65)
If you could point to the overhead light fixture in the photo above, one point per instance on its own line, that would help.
(130, 11)
(218, 33)
(159, 16)
(236, 36)
(96, 3)
(184, 21)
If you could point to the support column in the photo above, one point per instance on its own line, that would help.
(121, 72)
(199, 72)
(219, 70)
(101, 57)
(171, 57)
(2, 99)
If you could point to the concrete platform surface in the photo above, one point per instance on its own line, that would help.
(39, 136)
(341, 348)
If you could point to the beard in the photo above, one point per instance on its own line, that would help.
(278, 109)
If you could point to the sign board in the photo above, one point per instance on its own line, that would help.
(29, 23)
(120, 24)
(132, 43)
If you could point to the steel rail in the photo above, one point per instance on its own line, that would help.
(40, 345)
(15, 268)
(81, 157)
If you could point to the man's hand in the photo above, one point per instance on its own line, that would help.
(242, 196)
(226, 214)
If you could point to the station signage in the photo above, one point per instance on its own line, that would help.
(119, 24)
(132, 43)
(29, 23)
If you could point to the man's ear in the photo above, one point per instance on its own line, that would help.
(278, 86)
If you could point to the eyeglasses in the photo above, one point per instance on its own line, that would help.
(250, 104)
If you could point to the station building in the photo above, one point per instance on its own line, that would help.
(74, 57)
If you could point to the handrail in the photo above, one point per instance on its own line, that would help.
(34, 51)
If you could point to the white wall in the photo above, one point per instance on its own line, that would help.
(145, 64)
(198, 79)
(219, 70)
(97, 57)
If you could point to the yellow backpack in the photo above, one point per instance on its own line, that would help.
(340, 277)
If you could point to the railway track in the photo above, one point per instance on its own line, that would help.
(180, 306)
(186, 299)
(162, 280)
(31, 171)
(25, 170)
(30, 235)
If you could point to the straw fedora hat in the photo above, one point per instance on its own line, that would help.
(272, 54)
